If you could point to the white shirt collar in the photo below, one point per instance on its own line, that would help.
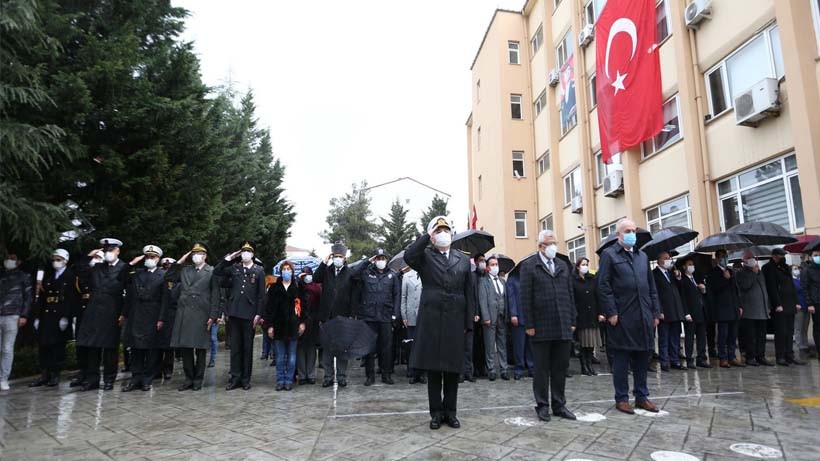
(59, 272)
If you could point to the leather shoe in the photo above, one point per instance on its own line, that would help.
(543, 413)
(452, 421)
(387, 379)
(129, 387)
(492, 377)
(196, 387)
(53, 382)
(311, 381)
(737, 363)
(39, 382)
(288, 387)
(563, 412)
(280, 387)
(470, 378)
(647, 405)
(505, 376)
(517, 376)
(664, 367)
(765, 362)
(327, 383)
(625, 407)
(232, 385)
(108, 386)
(782, 362)
(724, 364)
(76, 382)
(678, 366)
(146, 387)
(247, 386)
(796, 361)
(166, 377)
(752, 363)
(211, 364)
(185, 387)
(652, 368)
(423, 379)
(704, 364)
(435, 423)
(342, 382)
(90, 386)
(568, 373)
(369, 381)
(413, 380)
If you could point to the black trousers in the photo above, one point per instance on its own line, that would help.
(241, 340)
(164, 363)
(445, 407)
(193, 363)
(108, 356)
(783, 335)
(384, 332)
(694, 331)
(81, 354)
(551, 363)
(711, 337)
(468, 353)
(143, 365)
(754, 338)
(52, 358)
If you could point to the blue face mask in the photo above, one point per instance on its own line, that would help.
(816, 259)
(630, 239)
(287, 275)
(724, 262)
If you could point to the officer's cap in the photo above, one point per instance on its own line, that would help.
(61, 253)
(152, 250)
(110, 243)
(439, 221)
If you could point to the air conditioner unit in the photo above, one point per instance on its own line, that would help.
(586, 35)
(696, 11)
(757, 103)
(614, 184)
(555, 77)
(577, 204)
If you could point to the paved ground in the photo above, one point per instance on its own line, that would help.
(708, 411)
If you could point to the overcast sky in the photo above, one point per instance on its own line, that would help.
(351, 90)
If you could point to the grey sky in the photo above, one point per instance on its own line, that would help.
(351, 90)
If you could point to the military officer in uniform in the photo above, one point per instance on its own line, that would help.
(144, 294)
(165, 325)
(244, 310)
(84, 294)
(52, 318)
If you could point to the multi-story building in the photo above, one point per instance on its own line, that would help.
(729, 152)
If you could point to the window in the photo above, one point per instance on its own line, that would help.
(544, 163)
(815, 12)
(592, 10)
(759, 58)
(593, 91)
(557, 2)
(662, 20)
(546, 223)
(606, 231)
(480, 187)
(770, 192)
(572, 186)
(537, 40)
(675, 212)
(541, 102)
(478, 138)
(670, 131)
(603, 170)
(515, 106)
(563, 51)
(518, 163)
(576, 249)
(478, 91)
(513, 52)
(520, 224)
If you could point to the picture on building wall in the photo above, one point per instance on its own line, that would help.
(567, 95)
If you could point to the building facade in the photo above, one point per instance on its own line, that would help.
(726, 154)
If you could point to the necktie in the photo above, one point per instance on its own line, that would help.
(550, 266)
(497, 285)
(666, 274)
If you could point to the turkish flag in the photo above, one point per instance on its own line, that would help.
(474, 221)
(628, 73)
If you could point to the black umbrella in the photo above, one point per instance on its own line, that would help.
(814, 245)
(505, 263)
(723, 241)
(667, 239)
(474, 242)
(763, 233)
(397, 263)
(703, 262)
(759, 252)
(347, 338)
(643, 238)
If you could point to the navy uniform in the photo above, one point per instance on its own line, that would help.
(51, 316)
(244, 310)
(83, 292)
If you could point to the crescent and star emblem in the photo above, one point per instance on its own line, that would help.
(628, 27)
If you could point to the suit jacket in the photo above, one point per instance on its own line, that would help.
(247, 296)
(694, 303)
(493, 305)
(724, 304)
(410, 297)
(337, 291)
(669, 296)
(548, 300)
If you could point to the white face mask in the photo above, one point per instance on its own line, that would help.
(482, 266)
(443, 240)
(57, 265)
(308, 279)
(150, 263)
(493, 270)
(667, 264)
(551, 250)
(796, 273)
(198, 259)
(338, 262)
(110, 256)
(750, 263)
(246, 256)
(690, 270)
(10, 264)
(584, 269)
(380, 265)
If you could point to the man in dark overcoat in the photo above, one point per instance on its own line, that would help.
(337, 300)
(783, 301)
(667, 282)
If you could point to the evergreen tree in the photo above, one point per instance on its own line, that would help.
(350, 222)
(396, 233)
(438, 207)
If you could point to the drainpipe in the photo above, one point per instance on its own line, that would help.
(709, 193)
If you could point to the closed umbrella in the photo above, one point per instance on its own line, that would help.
(802, 242)
(763, 233)
(723, 241)
(473, 242)
(347, 338)
(397, 263)
(644, 236)
(668, 239)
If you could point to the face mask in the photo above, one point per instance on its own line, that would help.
(57, 265)
(9, 264)
(338, 262)
(668, 264)
(150, 263)
(690, 270)
(308, 279)
(482, 266)
(198, 259)
(630, 239)
(287, 275)
(816, 259)
(110, 256)
(494, 271)
(380, 265)
(750, 262)
(584, 269)
(246, 256)
(724, 262)
(551, 251)
(796, 273)
(443, 240)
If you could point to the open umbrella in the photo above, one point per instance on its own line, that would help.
(802, 242)
(397, 263)
(723, 241)
(347, 338)
(505, 263)
(814, 245)
(759, 251)
(763, 233)
(703, 262)
(643, 238)
(298, 263)
(668, 239)
(473, 241)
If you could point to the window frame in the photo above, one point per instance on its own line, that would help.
(537, 40)
(523, 163)
(815, 14)
(593, 91)
(520, 104)
(610, 229)
(572, 189)
(523, 220)
(665, 18)
(517, 52)
(655, 150)
(662, 217)
(540, 103)
(573, 247)
(547, 223)
(543, 160)
(599, 162)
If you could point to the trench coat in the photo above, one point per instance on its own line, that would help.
(143, 306)
(446, 309)
(199, 300)
(100, 323)
(626, 288)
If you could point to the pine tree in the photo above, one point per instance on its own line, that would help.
(396, 233)
(438, 207)
(350, 222)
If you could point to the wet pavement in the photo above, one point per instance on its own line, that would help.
(705, 413)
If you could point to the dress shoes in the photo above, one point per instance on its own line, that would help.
(625, 407)
(647, 405)
(563, 412)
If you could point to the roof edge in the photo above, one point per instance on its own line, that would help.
(487, 31)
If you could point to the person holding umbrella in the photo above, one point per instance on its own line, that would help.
(754, 300)
(810, 281)
(446, 313)
(783, 302)
(726, 309)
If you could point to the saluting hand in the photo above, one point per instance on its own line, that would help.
(476, 318)
(183, 258)
(92, 253)
(136, 260)
(601, 318)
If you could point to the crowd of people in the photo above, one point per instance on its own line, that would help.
(461, 315)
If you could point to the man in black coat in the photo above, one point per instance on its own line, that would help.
(379, 306)
(84, 295)
(667, 282)
(692, 290)
(725, 309)
(337, 300)
(244, 311)
(164, 363)
(783, 300)
(446, 313)
(548, 302)
(474, 345)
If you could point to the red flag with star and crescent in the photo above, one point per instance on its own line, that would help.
(628, 73)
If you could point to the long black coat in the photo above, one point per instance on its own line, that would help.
(199, 300)
(168, 314)
(626, 288)
(106, 284)
(780, 286)
(669, 296)
(337, 291)
(247, 285)
(58, 301)
(724, 304)
(548, 300)
(446, 309)
(693, 300)
(280, 312)
(810, 281)
(143, 306)
(586, 301)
